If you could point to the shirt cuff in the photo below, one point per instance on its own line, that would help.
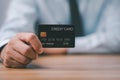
(2, 43)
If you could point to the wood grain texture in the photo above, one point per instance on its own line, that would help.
(70, 67)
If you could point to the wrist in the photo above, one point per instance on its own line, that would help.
(1, 48)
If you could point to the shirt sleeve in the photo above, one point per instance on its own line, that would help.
(20, 17)
(106, 39)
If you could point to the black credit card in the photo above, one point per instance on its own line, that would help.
(56, 36)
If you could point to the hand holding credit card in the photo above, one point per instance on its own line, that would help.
(56, 36)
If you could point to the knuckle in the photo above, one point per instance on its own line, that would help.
(27, 50)
(31, 36)
(12, 42)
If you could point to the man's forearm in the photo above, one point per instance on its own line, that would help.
(95, 43)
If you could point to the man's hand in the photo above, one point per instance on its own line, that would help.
(55, 51)
(21, 50)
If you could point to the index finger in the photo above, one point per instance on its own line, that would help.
(31, 39)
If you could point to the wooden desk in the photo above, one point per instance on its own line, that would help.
(72, 67)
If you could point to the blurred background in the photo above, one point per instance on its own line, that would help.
(3, 8)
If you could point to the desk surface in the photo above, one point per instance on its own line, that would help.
(72, 67)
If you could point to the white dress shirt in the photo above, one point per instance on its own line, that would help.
(101, 19)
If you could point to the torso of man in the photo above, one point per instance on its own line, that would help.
(58, 11)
